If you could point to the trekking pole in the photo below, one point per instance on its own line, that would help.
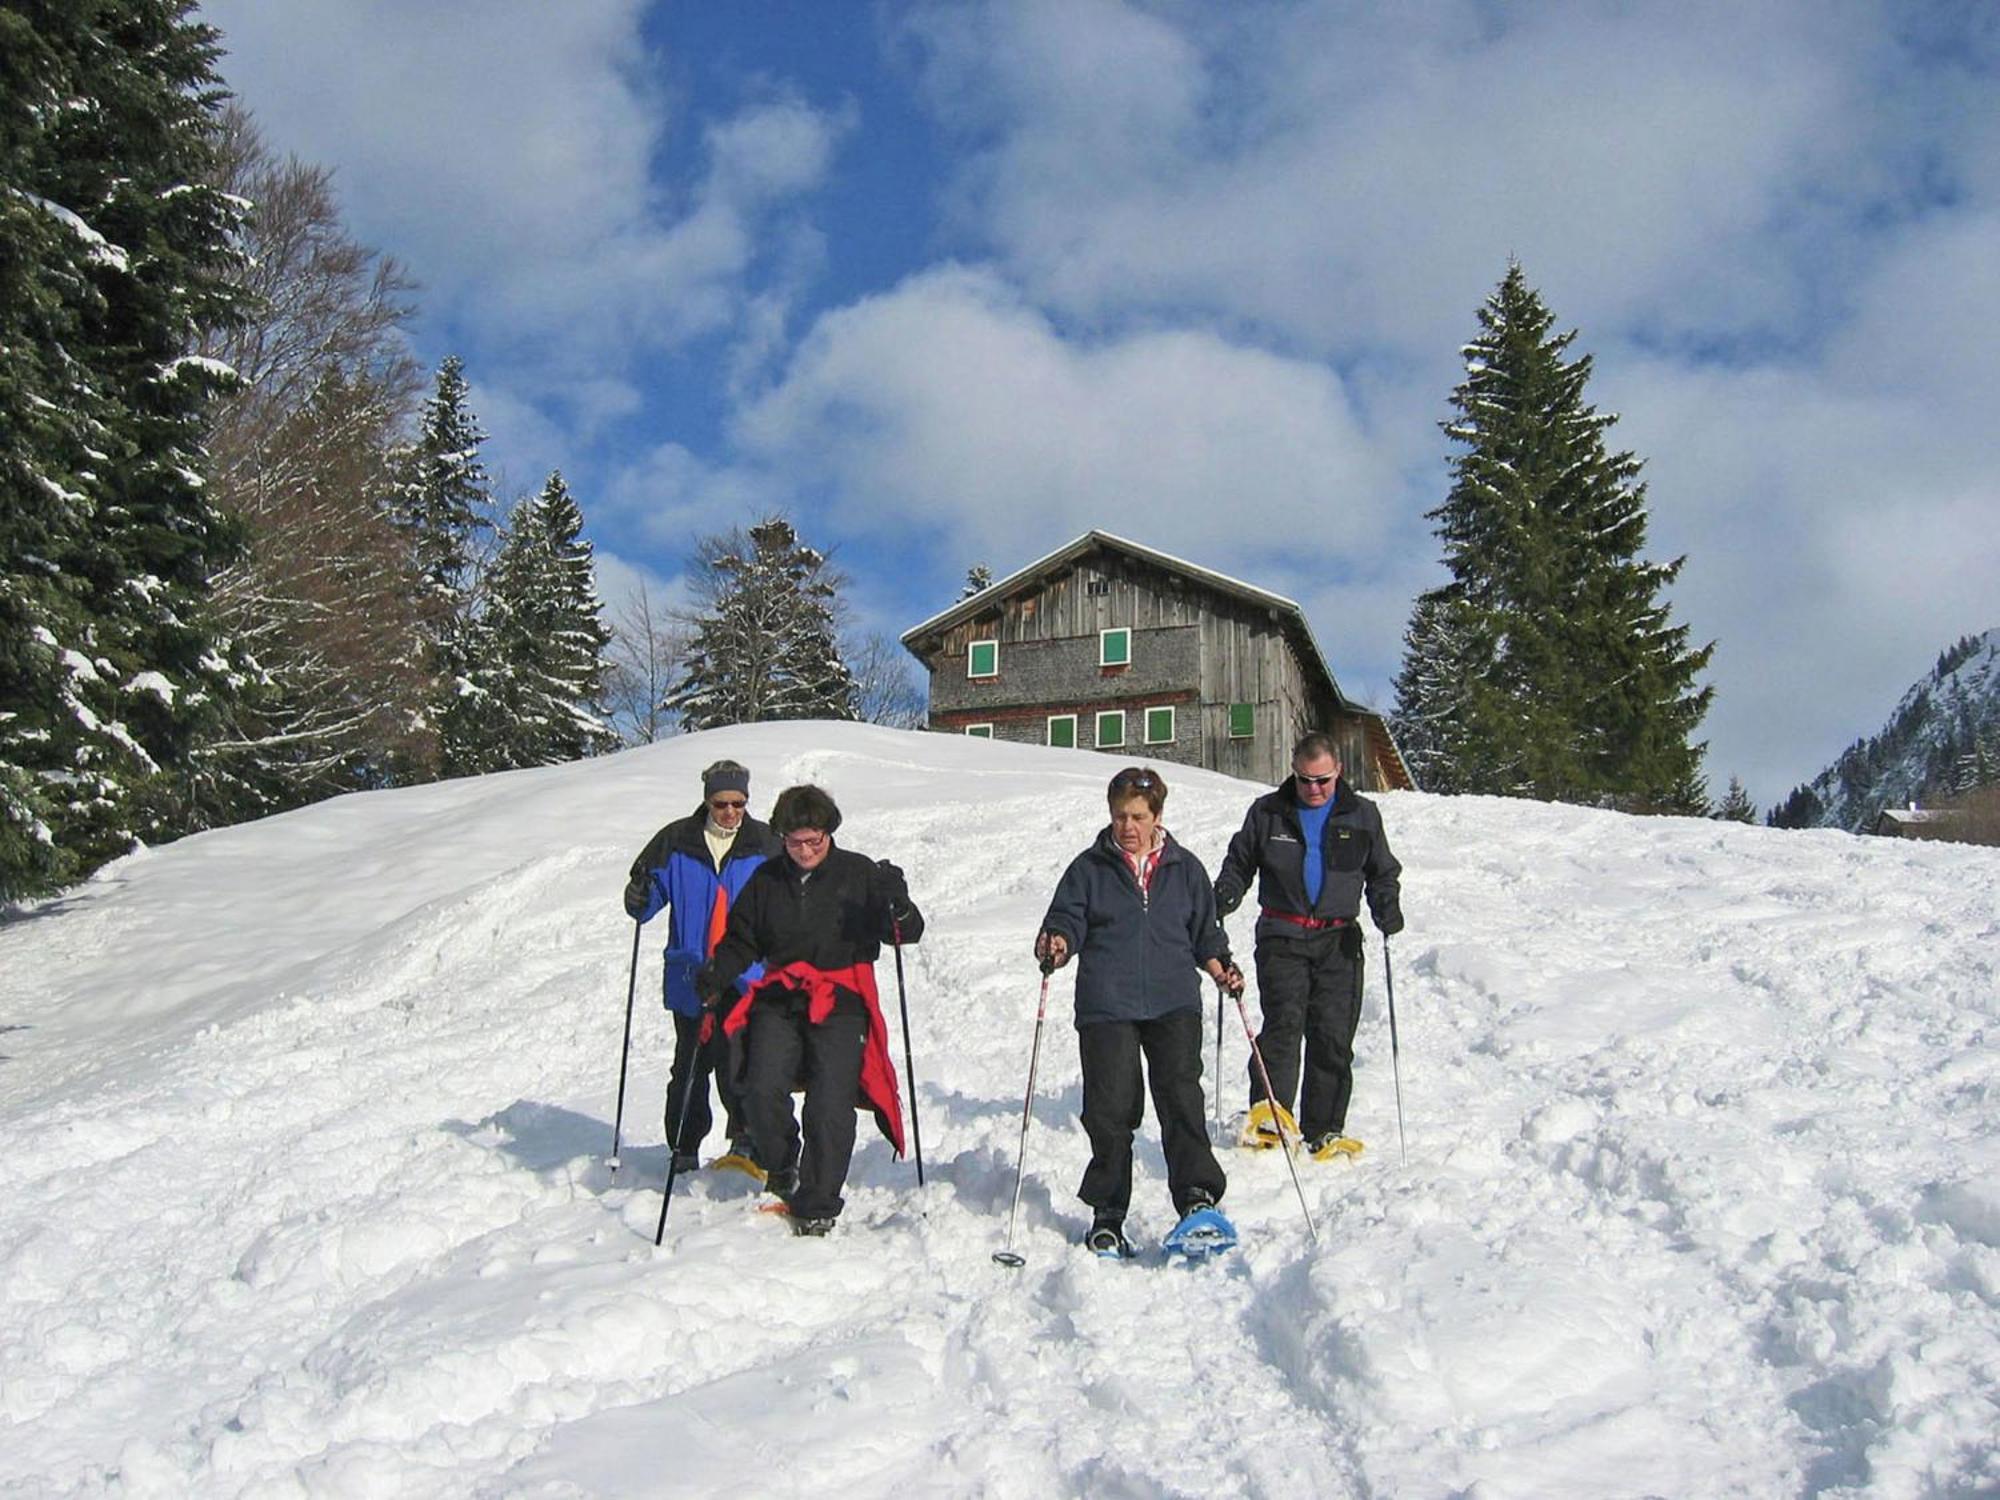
(1007, 1257)
(680, 1127)
(909, 1065)
(625, 1053)
(1395, 1060)
(1218, 1057)
(1277, 1117)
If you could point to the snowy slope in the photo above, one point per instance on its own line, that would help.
(302, 1194)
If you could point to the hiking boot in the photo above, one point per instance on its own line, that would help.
(1197, 1200)
(815, 1228)
(782, 1183)
(686, 1161)
(1332, 1146)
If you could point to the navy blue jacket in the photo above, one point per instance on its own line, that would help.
(1355, 862)
(676, 871)
(1139, 957)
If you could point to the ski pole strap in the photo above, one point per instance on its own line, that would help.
(1311, 924)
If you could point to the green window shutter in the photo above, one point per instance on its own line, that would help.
(982, 659)
(1114, 647)
(1111, 729)
(979, 731)
(1242, 721)
(1062, 731)
(1160, 726)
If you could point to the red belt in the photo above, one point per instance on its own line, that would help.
(1311, 924)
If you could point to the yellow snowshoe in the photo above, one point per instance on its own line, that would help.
(1261, 1127)
(1334, 1147)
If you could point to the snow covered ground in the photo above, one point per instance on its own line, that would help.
(302, 1191)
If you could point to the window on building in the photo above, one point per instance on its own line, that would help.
(1114, 647)
(1160, 726)
(1242, 722)
(1096, 588)
(980, 731)
(982, 659)
(1111, 729)
(1062, 731)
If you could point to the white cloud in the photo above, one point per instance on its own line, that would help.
(950, 405)
(505, 151)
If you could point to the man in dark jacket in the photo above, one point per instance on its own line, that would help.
(694, 868)
(1316, 850)
(816, 919)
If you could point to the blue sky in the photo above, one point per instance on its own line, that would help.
(951, 283)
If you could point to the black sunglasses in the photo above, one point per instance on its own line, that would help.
(1305, 780)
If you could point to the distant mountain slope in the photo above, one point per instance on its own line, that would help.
(1943, 739)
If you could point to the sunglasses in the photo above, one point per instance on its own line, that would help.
(805, 843)
(1304, 780)
(724, 804)
(1138, 783)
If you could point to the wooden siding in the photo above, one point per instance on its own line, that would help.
(1193, 647)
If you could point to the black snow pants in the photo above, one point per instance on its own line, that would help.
(786, 1049)
(1309, 987)
(695, 1062)
(1114, 1104)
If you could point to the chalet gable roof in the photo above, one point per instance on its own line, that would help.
(1020, 580)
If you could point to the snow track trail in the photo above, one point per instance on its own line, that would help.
(302, 1182)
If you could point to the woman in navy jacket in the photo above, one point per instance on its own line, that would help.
(1138, 913)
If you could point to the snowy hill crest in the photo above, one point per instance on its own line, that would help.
(302, 1189)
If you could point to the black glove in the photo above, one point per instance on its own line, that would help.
(891, 889)
(638, 892)
(711, 987)
(1389, 918)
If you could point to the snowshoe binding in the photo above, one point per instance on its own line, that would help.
(1107, 1241)
(1262, 1127)
(1202, 1235)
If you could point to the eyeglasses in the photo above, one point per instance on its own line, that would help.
(1304, 780)
(805, 843)
(723, 804)
(1140, 783)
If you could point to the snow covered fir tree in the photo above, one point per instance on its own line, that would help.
(766, 646)
(543, 638)
(115, 248)
(1548, 665)
(443, 502)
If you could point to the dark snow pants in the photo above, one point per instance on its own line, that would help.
(1114, 1104)
(1309, 987)
(786, 1049)
(694, 1063)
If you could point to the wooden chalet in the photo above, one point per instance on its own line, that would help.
(1108, 645)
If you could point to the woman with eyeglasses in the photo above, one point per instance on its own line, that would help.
(816, 919)
(693, 869)
(1138, 913)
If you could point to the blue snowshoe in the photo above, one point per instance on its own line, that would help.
(1204, 1233)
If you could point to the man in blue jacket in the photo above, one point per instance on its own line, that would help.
(1316, 850)
(694, 868)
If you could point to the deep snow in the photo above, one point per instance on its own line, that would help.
(302, 1192)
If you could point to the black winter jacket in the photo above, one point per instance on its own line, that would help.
(836, 916)
(1354, 853)
(1138, 958)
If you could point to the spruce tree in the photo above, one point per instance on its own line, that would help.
(115, 253)
(1548, 665)
(544, 622)
(768, 646)
(443, 503)
(1736, 806)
